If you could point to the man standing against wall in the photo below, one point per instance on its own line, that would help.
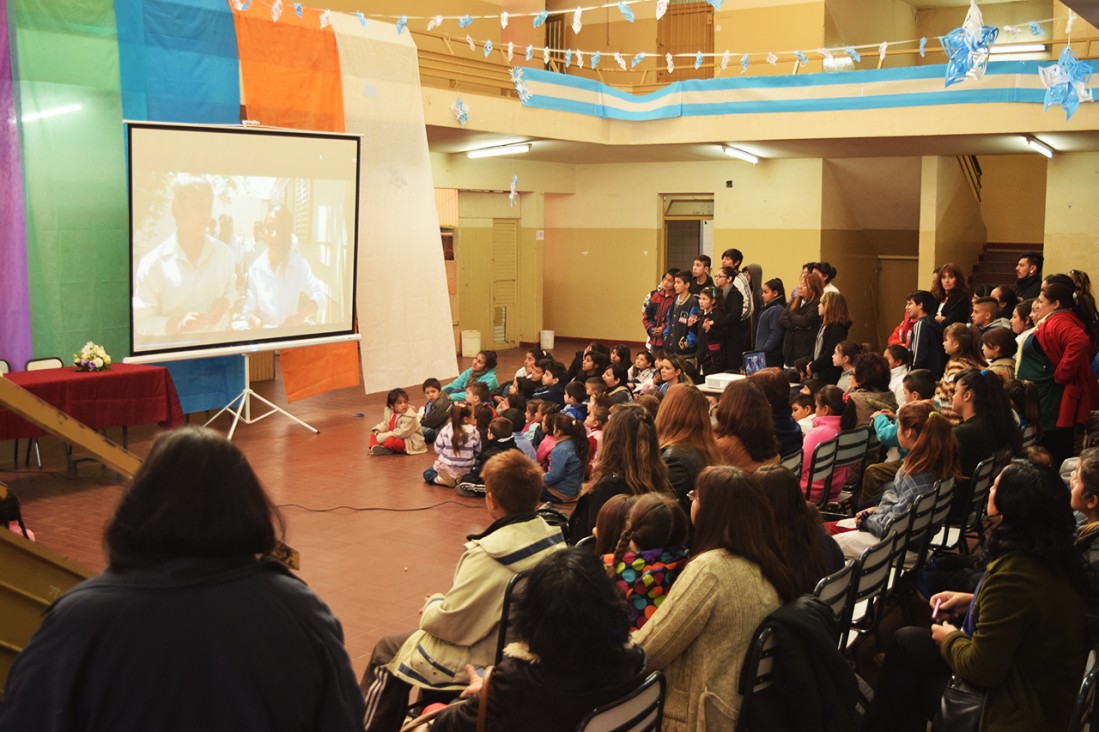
(1028, 270)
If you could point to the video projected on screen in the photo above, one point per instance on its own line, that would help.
(240, 236)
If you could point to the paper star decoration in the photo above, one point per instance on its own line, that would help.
(520, 85)
(626, 12)
(464, 21)
(461, 111)
(434, 23)
(361, 17)
(1066, 83)
(513, 196)
(619, 60)
(540, 18)
(854, 54)
(967, 47)
(401, 23)
(488, 48)
(276, 11)
(698, 60)
(577, 23)
(661, 8)
(504, 19)
(595, 59)
(637, 59)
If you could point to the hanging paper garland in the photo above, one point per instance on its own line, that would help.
(801, 57)
(530, 52)
(637, 59)
(511, 50)
(504, 19)
(461, 112)
(577, 24)
(698, 60)
(298, 9)
(671, 63)
(513, 196)
(626, 12)
(853, 54)
(619, 60)
(661, 8)
(725, 57)
(520, 85)
(744, 64)
(540, 18)
(276, 11)
(464, 21)
(434, 23)
(401, 23)
(362, 18)
(595, 58)
(326, 18)
(488, 48)
(1066, 83)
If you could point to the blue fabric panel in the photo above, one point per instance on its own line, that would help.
(178, 61)
(207, 383)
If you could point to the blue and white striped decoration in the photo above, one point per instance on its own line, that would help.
(915, 86)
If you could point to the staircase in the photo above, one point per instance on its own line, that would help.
(996, 265)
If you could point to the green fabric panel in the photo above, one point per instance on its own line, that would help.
(78, 253)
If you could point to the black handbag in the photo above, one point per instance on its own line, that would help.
(960, 708)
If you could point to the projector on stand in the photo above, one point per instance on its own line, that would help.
(716, 383)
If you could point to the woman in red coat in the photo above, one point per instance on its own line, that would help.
(1057, 357)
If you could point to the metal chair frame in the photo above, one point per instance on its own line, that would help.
(820, 469)
(642, 710)
(835, 592)
(792, 462)
(514, 585)
(973, 525)
(758, 672)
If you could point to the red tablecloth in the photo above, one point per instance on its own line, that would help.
(126, 394)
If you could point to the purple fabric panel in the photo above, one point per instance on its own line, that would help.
(15, 310)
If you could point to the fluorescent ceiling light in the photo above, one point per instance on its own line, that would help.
(55, 112)
(1017, 48)
(736, 152)
(1039, 147)
(489, 152)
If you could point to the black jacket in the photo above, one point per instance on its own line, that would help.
(955, 310)
(814, 687)
(801, 325)
(822, 364)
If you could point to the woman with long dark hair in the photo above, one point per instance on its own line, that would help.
(573, 654)
(835, 321)
(776, 387)
(801, 319)
(735, 577)
(769, 330)
(1021, 634)
(745, 429)
(193, 625)
(1057, 357)
(952, 294)
(629, 463)
(686, 438)
(811, 552)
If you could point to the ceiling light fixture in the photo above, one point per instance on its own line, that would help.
(489, 152)
(1017, 48)
(736, 152)
(1039, 147)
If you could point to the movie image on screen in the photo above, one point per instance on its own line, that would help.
(240, 236)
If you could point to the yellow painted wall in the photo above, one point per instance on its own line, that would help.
(856, 22)
(849, 250)
(531, 265)
(603, 244)
(1072, 214)
(1013, 201)
(951, 229)
(790, 26)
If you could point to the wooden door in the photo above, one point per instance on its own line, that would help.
(686, 28)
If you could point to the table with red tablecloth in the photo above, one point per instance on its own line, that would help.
(123, 395)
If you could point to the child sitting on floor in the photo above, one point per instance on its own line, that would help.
(598, 414)
(545, 439)
(568, 461)
(575, 401)
(434, 413)
(650, 554)
(477, 396)
(399, 431)
(530, 428)
(554, 377)
(500, 440)
(457, 446)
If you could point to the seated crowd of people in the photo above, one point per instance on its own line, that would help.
(657, 526)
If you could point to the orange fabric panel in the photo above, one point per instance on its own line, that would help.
(312, 370)
(290, 70)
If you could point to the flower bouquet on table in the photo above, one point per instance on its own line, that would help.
(92, 357)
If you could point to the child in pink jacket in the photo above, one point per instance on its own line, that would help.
(835, 413)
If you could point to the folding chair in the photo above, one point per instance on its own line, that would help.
(1084, 717)
(820, 470)
(642, 710)
(911, 555)
(835, 592)
(867, 601)
(758, 672)
(515, 584)
(973, 525)
(792, 462)
(36, 364)
(851, 446)
(1030, 436)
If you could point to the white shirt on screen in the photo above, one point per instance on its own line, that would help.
(273, 296)
(168, 285)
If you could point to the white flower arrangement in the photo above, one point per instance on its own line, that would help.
(92, 357)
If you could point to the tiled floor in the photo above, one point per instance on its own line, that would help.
(373, 538)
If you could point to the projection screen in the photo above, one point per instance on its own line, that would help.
(240, 237)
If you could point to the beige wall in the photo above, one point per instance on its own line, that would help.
(1013, 201)
(951, 229)
(856, 22)
(1072, 214)
(898, 277)
(790, 26)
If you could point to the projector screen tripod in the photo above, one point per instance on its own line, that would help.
(242, 412)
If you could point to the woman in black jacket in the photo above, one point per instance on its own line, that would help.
(801, 321)
(952, 293)
(835, 322)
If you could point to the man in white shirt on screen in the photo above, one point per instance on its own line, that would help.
(282, 290)
(185, 284)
